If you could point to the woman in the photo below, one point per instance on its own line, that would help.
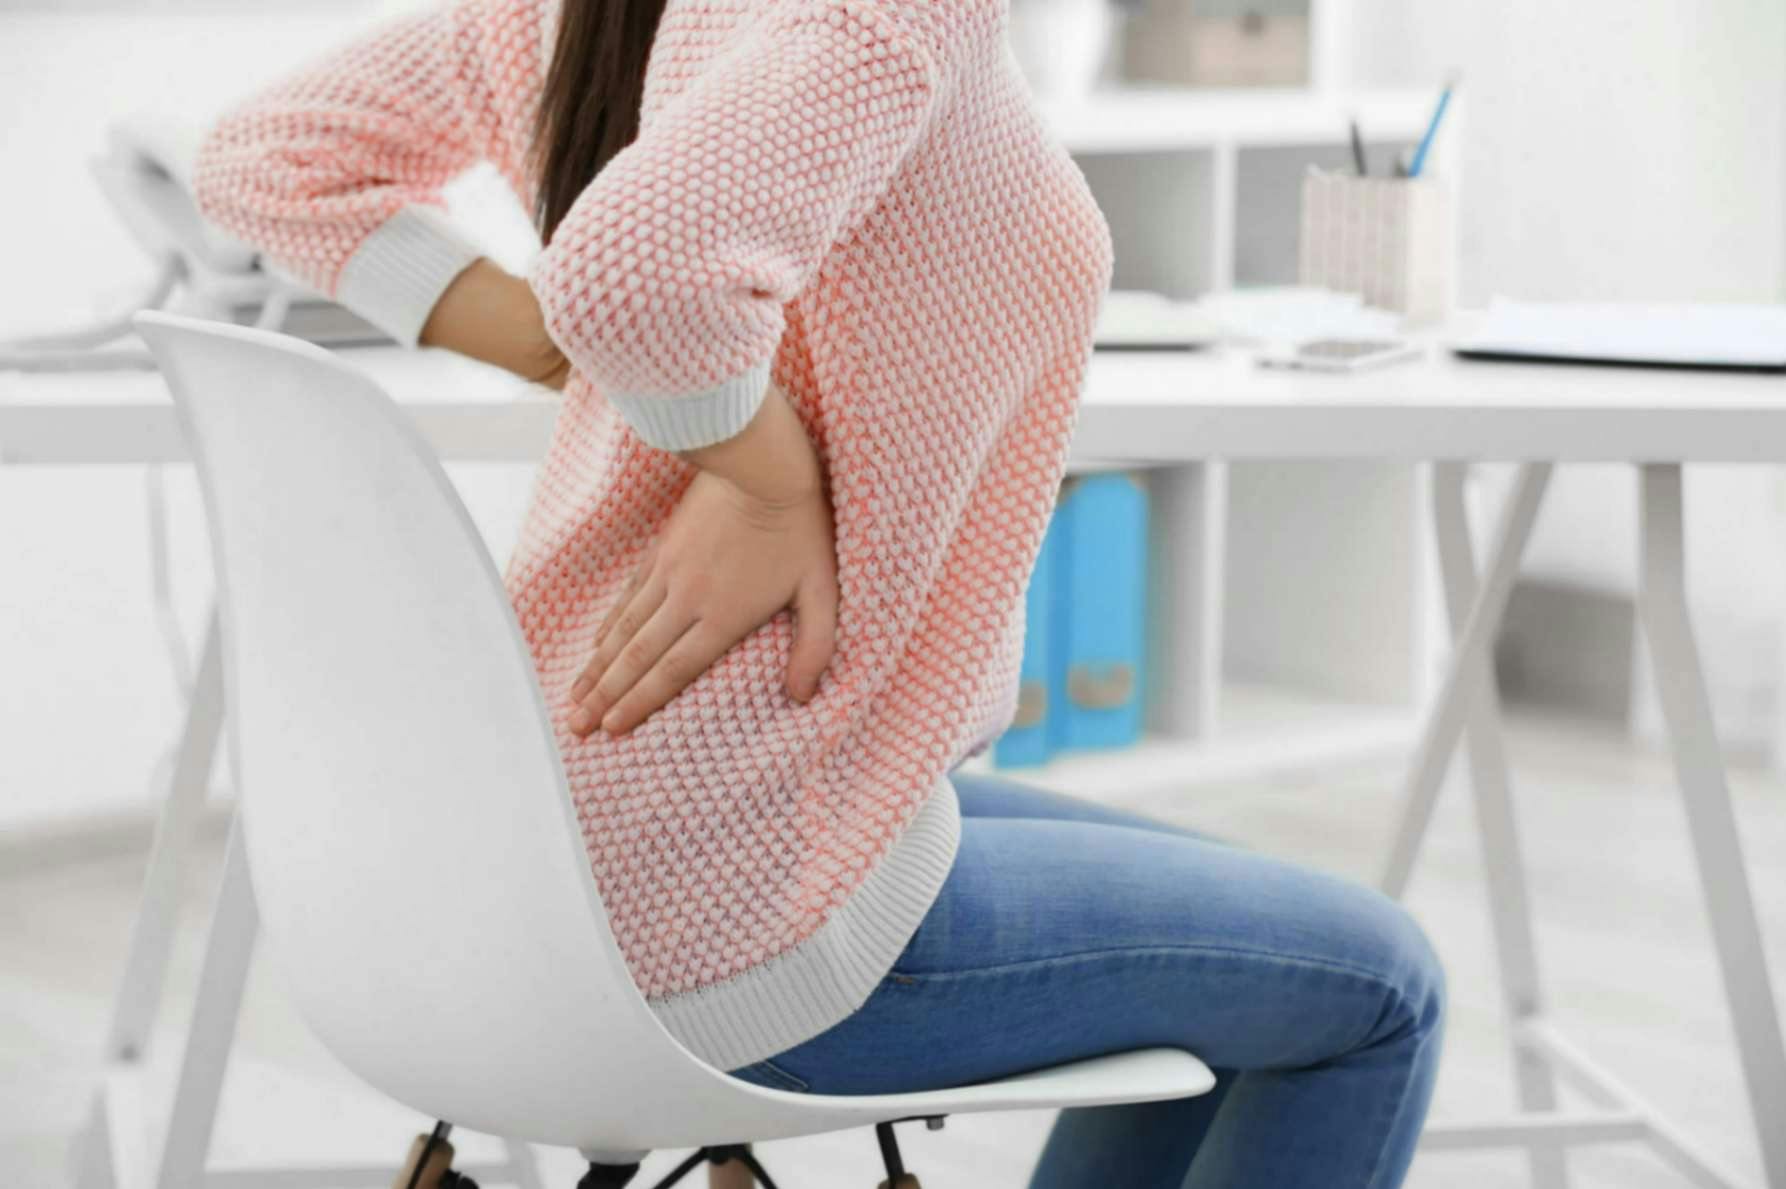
(819, 292)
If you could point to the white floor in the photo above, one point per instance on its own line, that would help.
(1630, 971)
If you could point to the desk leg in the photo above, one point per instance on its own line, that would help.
(1445, 722)
(114, 1131)
(1497, 826)
(1187, 521)
(178, 1152)
(1699, 769)
(116, 1148)
(229, 946)
(152, 936)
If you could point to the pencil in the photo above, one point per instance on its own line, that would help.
(1432, 129)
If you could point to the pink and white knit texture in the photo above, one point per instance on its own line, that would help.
(853, 194)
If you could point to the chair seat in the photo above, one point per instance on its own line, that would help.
(1143, 1075)
(1098, 1081)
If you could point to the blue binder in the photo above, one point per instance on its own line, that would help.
(1100, 627)
(1026, 741)
(1085, 636)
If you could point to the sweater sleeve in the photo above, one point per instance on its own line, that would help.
(665, 282)
(335, 173)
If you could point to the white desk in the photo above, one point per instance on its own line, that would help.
(1138, 407)
(1222, 406)
(1172, 408)
(1451, 413)
(470, 413)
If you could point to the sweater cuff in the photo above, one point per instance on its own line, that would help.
(692, 420)
(398, 273)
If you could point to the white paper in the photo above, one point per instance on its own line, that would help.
(1139, 316)
(1293, 314)
(1717, 335)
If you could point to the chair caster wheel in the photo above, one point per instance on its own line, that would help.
(436, 1173)
(908, 1181)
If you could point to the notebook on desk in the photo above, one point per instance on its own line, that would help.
(1138, 320)
(1724, 337)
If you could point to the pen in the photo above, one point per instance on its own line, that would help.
(1432, 129)
(1364, 168)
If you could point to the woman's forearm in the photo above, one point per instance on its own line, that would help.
(491, 315)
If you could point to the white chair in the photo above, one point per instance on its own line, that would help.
(422, 885)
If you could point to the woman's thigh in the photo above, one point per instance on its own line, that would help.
(1054, 940)
(983, 795)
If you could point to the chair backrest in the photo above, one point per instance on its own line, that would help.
(411, 842)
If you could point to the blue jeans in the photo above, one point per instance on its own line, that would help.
(1066, 930)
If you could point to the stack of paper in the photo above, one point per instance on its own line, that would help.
(1734, 336)
(1139, 319)
(1274, 315)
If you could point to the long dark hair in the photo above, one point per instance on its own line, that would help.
(589, 110)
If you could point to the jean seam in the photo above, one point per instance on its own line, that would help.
(795, 1083)
(1387, 1119)
(1116, 951)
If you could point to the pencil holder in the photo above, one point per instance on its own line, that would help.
(1389, 239)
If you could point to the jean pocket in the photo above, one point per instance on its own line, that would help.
(768, 1073)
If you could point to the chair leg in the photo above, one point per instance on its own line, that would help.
(897, 1177)
(613, 1176)
(430, 1163)
(676, 1174)
(730, 1171)
(749, 1160)
(730, 1166)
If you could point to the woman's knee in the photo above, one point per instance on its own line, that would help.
(1403, 958)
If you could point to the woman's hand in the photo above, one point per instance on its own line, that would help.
(492, 315)
(751, 536)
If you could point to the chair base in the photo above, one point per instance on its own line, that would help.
(608, 1176)
(429, 1164)
(734, 1167)
(730, 1175)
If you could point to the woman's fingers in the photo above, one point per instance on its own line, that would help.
(624, 604)
(636, 671)
(644, 569)
(601, 683)
(631, 659)
(815, 636)
(725, 564)
(681, 663)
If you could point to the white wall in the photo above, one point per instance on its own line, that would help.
(90, 706)
(1615, 148)
(1625, 149)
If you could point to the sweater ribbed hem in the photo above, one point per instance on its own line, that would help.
(692, 420)
(798, 994)
(397, 274)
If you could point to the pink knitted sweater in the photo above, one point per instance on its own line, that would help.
(855, 200)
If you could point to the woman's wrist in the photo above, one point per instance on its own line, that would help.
(492, 315)
(771, 460)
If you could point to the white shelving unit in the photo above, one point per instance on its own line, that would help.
(1291, 605)
(1169, 119)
